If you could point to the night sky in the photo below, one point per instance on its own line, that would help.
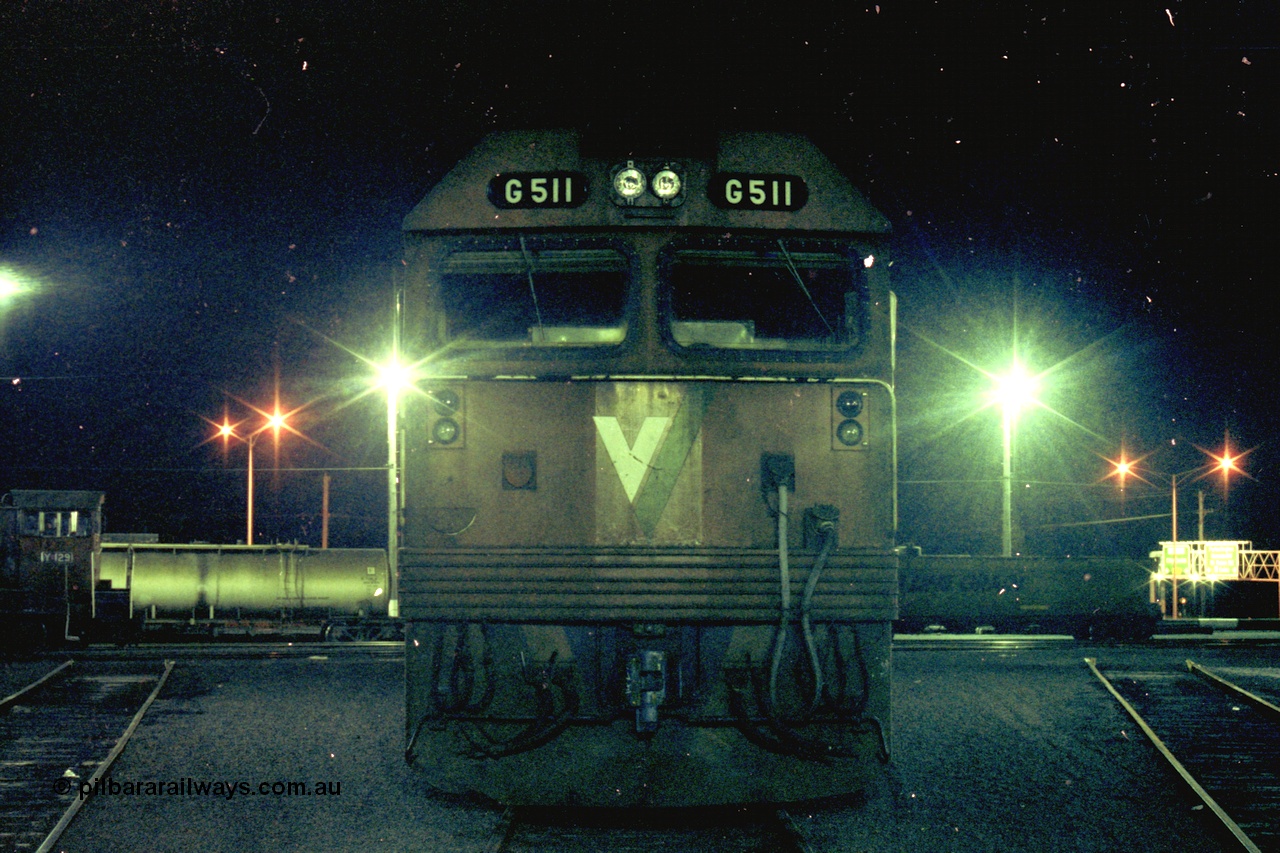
(206, 196)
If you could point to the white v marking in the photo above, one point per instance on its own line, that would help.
(632, 463)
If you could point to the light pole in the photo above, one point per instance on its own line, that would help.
(227, 431)
(1013, 392)
(394, 377)
(248, 536)
(1226, 463)
(1173, 510)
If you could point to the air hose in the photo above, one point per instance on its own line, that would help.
(827, 530)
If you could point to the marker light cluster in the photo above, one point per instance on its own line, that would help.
(445, 414)
(848, 420)
(632, 187)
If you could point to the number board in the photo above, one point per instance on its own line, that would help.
(751, 191)
(538, 189)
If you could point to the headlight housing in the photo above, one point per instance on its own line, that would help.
(628, 182)
(666, 185)
(647, 185)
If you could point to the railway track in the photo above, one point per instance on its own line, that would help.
(242, 650)
(1031, 642)
(58, 736)
(528, 830)
(977, 642)
(1220, 731)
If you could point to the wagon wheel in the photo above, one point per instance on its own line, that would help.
(341, 632)
(357, 632)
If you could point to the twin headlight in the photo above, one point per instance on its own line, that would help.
(633, 185)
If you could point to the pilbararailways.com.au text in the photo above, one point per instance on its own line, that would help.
(226, 788)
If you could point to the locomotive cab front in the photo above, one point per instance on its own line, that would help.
(648, 545)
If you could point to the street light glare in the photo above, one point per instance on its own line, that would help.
(13, 283)
(227, 430)
(1124, 468)
(1016, 389)
(394, 376)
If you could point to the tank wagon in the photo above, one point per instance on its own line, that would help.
(340, 593)
(61, 582)
(649, 525)
(1087, 597)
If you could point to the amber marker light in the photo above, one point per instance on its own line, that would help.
(227, 430)
(1124, 468)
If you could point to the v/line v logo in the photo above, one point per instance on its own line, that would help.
(632, 462)
(649, 467)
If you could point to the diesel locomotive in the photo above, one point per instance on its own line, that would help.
(50, 544)
(649, 514)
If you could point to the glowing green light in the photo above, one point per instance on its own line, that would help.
(1015, 390)
(394, 376)
(12, 283)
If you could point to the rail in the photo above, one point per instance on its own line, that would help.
(51, 840)
(14, 698)
(1268, 708)
(1227, 821)
(68, 715)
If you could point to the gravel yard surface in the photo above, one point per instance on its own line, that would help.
(993, 751)
(17, 673)
(1017, 751)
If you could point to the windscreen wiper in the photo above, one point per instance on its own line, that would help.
(795, 273)
(528, 269)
